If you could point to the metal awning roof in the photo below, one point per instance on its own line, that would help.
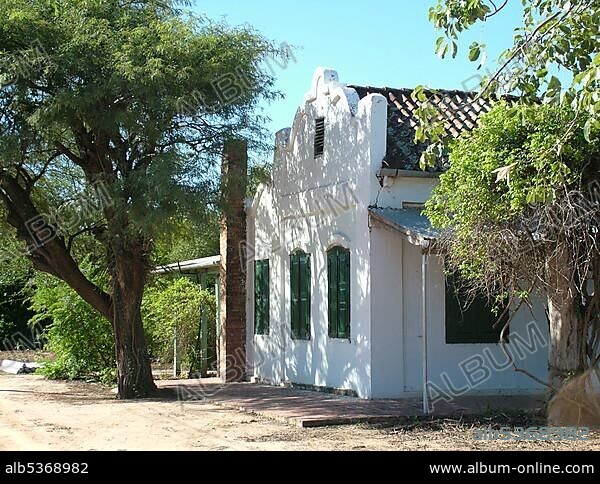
(207, 264)
(410, 222)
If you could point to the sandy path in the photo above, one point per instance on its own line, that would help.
(36, 414)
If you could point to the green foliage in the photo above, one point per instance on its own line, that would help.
(554, 34)
(176, 307)
(15, 272)
(7, 329)
(82, 340)
(259, 173)
(14, 313)
(197, 236)
(78, 336)
(161, 89)
(504, 169)
(189, 238)
(14, 267)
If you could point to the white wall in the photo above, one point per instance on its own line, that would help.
(412, 346)
(398, 335)
(264, 351)
(485, 359)
(403, 189)
(387, 302)
(315, 204)
(396, 298)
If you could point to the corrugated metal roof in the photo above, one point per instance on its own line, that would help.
(209, 264)
(409, 221)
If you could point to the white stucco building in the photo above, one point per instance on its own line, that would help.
(343, 290)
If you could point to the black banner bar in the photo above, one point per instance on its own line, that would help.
(397, 466)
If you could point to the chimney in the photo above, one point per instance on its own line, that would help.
(232, 341)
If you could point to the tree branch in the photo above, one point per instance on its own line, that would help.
(519, 49)
(46, 249)
(497, 10)
(85, 230)
(69, 154)
(503, 345)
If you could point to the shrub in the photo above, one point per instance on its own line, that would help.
(7, 328)
(178, 305)
(80, 338)
(14, 316)
(83, 342)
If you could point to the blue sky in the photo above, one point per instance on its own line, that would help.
(376, 42)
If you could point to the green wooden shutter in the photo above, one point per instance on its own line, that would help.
(343, 294)
(257, 298)
(261, 297)
(332, 286)
(294, 294)
(264, 289)
(338, 277)
(304, 284)
(469, 321)
(267, 298)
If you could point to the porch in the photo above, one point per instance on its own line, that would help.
(304, 408)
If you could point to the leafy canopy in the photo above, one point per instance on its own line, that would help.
(139, 95)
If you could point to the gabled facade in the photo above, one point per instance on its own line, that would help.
(343, 291)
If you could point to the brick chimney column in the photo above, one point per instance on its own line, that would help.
(232, 341)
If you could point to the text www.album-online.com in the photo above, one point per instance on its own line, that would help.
(537, 468)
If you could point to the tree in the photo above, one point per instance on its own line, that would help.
(126, 103)
(520, 201)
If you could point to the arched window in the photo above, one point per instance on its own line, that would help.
(338, 283)
(300, 295)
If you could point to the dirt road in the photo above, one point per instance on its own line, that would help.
(36, 414)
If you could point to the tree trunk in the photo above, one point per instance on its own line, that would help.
(567, 325)
(133, 363)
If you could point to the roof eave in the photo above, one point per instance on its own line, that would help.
(399, 173)
(413, 237)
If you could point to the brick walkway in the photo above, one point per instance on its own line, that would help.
(315, 409)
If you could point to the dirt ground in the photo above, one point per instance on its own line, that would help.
(36, 414)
